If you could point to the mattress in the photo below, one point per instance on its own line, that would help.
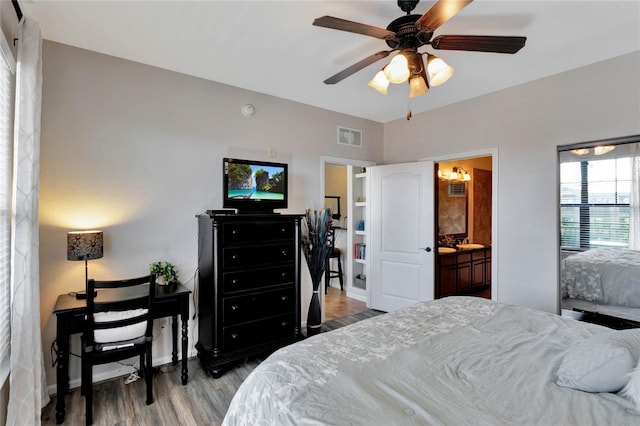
(459, 360)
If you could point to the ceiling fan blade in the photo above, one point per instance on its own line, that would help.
(439, 13)
(353, 27)
(495, 44)
(357, 67)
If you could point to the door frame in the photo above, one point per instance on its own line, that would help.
(493, 152)
(343, 161)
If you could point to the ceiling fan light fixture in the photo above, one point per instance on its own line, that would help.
(379, 83)
(600, 150)
(398, 69)
(579, 152)
(439, 71)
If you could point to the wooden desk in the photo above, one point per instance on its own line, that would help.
(71, 312)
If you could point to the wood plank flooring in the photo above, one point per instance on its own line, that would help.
(337, 304)
(203, 401)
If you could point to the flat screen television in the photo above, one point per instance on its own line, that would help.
(254, 186)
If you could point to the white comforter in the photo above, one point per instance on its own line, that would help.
(456, 361)
(603, 275)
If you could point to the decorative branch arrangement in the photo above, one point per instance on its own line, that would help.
(316, 246)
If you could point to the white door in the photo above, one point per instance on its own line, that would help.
(401, 235)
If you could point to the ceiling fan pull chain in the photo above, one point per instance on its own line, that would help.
(408, 108)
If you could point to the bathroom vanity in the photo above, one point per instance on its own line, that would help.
(462, 270)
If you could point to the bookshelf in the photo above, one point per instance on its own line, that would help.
(357, 233)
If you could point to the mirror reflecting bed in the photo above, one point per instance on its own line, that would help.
(600, 228)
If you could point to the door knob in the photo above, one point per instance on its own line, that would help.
(427, 249)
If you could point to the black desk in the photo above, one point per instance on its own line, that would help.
(70, 312)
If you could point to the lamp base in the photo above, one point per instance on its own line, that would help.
(83, 294)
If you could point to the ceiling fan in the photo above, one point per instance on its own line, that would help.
(410, 32)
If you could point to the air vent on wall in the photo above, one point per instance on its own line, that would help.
(457, 189)
(351, 137)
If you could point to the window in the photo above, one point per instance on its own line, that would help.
(594, 199)
(7, 90)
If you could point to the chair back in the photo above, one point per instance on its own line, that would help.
(121, 316)
(331, 235)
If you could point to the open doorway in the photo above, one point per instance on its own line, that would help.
(341, 297)
(464, 225)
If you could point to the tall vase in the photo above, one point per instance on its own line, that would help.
(314, 315)
(316, 246)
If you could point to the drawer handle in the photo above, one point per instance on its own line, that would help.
(284, 323)
(284, 298)
(283, 230)
(235, 336)
(235, 307)
(234, 257)
(234, 281)
(234, 232)
(284, 253)
(284, 275)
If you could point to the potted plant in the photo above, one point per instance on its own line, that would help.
(166, 273)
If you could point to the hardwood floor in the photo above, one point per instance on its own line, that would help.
(337, 304)
(203, 401)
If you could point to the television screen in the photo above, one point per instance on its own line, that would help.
(254, 186)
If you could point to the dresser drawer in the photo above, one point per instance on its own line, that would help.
(257, 305)
(257, 332)
(257, 231)
(247, 257)
(257, 278)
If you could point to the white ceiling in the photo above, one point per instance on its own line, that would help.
(271, 47)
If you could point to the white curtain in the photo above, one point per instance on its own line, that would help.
(634, 202)
(28, 388)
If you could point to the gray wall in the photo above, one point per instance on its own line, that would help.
(526, 124)
(137, 152)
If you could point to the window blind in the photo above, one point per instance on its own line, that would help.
(7, 91)
(594, 203)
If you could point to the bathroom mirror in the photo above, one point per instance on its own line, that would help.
(452, 209)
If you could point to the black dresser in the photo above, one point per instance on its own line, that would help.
(249, 286)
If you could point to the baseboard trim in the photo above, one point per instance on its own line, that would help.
(357, 296)
(111, 374)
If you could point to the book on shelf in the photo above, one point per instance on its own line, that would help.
(359, 250)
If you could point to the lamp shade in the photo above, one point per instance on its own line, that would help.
(84, 245)
(438, 70)
(600, 150)
(398, 70)
(379, 83)
(417, 86)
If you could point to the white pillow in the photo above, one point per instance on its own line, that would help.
(631, 391)
(601, 363)
(122, 333)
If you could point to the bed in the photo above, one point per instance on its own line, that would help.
(603, 275)
(458, 360)
(604, 281)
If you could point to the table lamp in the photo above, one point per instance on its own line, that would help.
(84, 245)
